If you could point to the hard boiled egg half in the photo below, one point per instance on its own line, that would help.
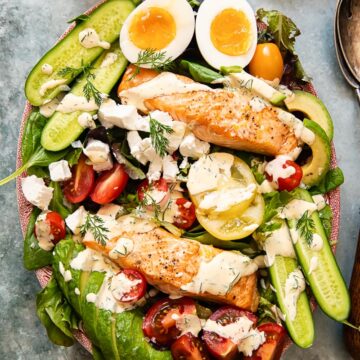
(226, 32)
(162, 25)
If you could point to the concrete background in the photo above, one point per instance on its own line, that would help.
(28, 28)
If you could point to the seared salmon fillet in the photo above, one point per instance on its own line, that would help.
(220, 116)
(170, 263)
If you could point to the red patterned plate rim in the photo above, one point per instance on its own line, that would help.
(25, 208)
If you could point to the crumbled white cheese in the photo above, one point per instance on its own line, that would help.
(36, 192)
(155, 168)
(170, 168)
(60, 171)
(75, 220)
(176, 136)
(193, 147)
(97, 151)
(134, 140)
(85, 120)
(106, 165)
(123, 116)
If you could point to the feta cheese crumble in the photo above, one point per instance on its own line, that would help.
(60, 171)
(36, 192)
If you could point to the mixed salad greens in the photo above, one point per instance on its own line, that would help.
(281, 223)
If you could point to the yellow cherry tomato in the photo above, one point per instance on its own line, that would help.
(267, 62)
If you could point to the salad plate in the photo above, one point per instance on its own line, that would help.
(224, 73)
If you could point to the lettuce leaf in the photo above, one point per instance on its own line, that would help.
(331, 181)
(56, 314)
(326, 216)
(199, 72)
(34, 256)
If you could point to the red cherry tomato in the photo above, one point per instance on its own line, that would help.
(219, 347)
(110, 185)
(57, 226)
(145, 189)
(186, 217)
(81, 183)
(137, 291)
(272, 348)
(160, 325)
(189, 347)
(291, 182)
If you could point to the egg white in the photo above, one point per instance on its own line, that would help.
(208, 10)
(184, 18)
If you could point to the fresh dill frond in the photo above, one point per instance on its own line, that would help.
(95, 224)
(157, 134)
(155, 59)
(306, 226)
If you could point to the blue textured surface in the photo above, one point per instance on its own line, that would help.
(27, 29)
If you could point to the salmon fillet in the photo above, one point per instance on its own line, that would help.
(220, 116)
(169, 262)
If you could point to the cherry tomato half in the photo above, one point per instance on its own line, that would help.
(271, 349)
(157, 191)
(160, 325)
(189, 347)
(291, 182)
(110, 185)
(267, 62)
(136, 292)
(186, 216)
(57, 226)
(81, 183)
(219, 347)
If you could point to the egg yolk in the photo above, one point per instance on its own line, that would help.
(231, 32)
(152, 28)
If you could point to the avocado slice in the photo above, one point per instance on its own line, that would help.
(319, 163)
(258, 86)
(313, 108)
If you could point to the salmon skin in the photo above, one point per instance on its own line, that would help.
(170, 263)
(221, 116)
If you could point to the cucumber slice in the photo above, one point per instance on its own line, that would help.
(326, 281)
(62, 129)
(301, 329)
(107, 20)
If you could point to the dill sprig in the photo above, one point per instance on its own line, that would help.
(95, 225)
(157, 134)
(157, 60)
(306, 226)
(89, 89)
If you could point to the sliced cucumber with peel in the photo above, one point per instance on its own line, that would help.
(106, 20)
(326, 281)
(301, 329)
(62, 129)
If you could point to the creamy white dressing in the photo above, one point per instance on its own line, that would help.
(51, 84)
(43, 233)
(226, 198)
(77, 291)
(71, 103)
(109, 59)
(188, 323)
(258, 104)
(316, 243)
(278, 242)
(294, 286)
(89, 39)
(85, 120)
(218, 275)
(240, 332)
(66, 274)
(123, 248)
(164, 84)
(278, 168)
(49, 107)
(47, 69)
(122, 285)
(314, 261)
(295, 209)
(112, 210)
(266, 187)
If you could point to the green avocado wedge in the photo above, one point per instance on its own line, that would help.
(318, 164)
(62, 129)
(313, 108)
(115, 336)
(106, 20)
(326, 281)
(301, 329)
